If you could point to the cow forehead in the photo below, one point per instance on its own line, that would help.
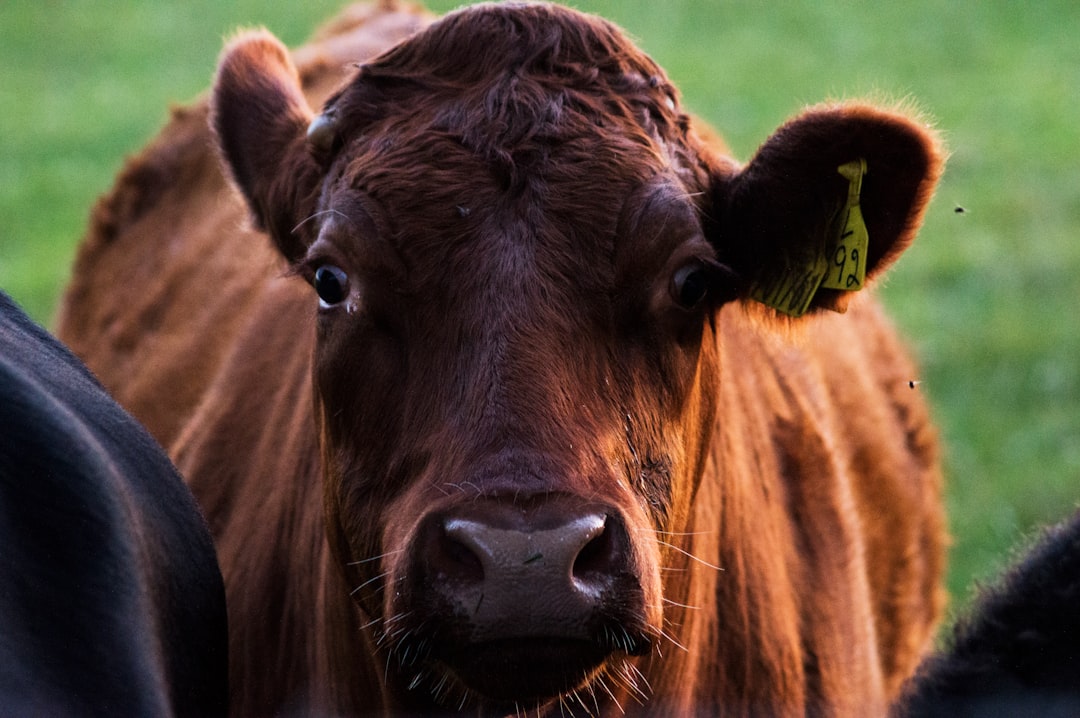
(527, 89)
(520, 125)
(494, 51)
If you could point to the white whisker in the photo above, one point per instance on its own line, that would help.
(679, 533)
(318, 214)
(370, 623)
(375, 558)
(671, 638)
(686, 553)
(640, 676)
(681, 605)
(603, 684)
(630, 682)
(371, 580)
(595, 700)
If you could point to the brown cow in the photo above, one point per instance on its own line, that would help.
(492, 423)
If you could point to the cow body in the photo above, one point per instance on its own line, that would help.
(111, 601)
(528, 444)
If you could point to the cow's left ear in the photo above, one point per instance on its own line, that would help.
(827, 203)
(261, 121)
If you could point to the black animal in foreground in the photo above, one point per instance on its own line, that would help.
(111, 600)
(1018, 652)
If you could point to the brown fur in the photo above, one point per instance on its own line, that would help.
(511, 194)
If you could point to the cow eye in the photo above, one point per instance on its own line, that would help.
(689, 285)
(331, 284)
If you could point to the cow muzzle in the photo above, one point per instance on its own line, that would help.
(524, 602)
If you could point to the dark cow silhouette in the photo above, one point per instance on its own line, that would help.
(1018, 651)
(111, 601)
(487, 411)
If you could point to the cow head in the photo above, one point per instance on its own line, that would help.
(518, 247)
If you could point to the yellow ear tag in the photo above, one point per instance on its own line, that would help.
(847, 256)
(792, 291)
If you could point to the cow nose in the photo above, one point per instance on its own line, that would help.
(525, 573)
(576, 555)
(524, 600)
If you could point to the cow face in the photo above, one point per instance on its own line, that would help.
(518, 247)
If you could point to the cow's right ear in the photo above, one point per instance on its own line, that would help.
(260, 121)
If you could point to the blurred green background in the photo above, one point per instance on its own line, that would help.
(988, 296)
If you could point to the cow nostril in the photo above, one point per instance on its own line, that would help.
(596, 558)
(455, 559)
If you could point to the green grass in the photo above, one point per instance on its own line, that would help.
(987, 296)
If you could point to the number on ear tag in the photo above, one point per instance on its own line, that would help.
(847, 257)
